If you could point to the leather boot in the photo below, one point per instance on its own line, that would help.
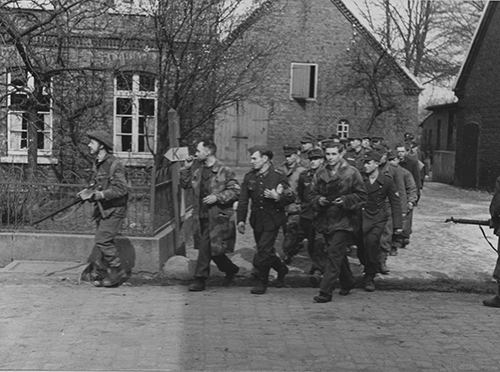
(198, 285)
(369, 283)
(115, 277)
(494, 301)
(261, 286)
(281, 270)
(383, 259)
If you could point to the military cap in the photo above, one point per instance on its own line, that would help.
(377, 139)
(315, 154)
(289, 150)
(102, 137)
(328, 143)
(372, 155)
(308, 138)
(368, 138)
(320, 138)
(262, 149)
(334, 136)
(354, 139)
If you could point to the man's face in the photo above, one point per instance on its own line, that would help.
(316, 163)
(401, 151)
(333, 155)
(365, 143)
(202, 152)
(257, 160)
(394, 161)
(355, 144)
(291, 159)
(94, 146)
(307, 146)
(370, 166)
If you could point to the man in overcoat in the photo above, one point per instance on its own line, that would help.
(270, 193)
(495, 224)
(337, 194)
(215, 190)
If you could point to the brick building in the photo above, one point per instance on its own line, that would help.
(315, 82)
(478, 113)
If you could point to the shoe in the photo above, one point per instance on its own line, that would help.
(229, 278)
(197, 286)
(492, 302)
(322, 298)
(315, 279)
(346, 290)
(383, 269)
(369, 284)
(393, 252)
(259, 289)
(115, 277)
(280, 280)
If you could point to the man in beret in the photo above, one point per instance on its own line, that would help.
(354, 156)
(270, 193)
(315, 249)
(109, 194)
(337, 193)
(380, 187)
(291, 168)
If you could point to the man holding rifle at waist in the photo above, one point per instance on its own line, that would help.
(109, 194)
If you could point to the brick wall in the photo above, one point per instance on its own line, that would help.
(317, 32)
(479, 103)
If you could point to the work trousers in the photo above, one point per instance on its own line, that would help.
(224, 264)
(265, 256)
(337, 264)
(292, 235)
(407, 222)
(370, 249)
(496, 272)
(106, 231)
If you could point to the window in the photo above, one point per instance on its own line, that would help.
(303, 81)
(343, 128)
(20, 94)
(135, 113)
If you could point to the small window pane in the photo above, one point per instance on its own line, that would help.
(124, 81)
(126, 125)
(141, 144)
(124, 106)
(146, 83)
(18, 100)
(126, 143)
(146, 107)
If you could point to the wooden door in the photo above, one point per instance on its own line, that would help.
(470, 144)
(239, 127)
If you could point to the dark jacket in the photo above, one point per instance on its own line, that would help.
(225, 187)
(266, 214)
(411, 165)
(109, 177)
(346, 183)
(304, 188)
(375, 211)
(495, 209)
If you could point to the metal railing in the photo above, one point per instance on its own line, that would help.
(22, 203)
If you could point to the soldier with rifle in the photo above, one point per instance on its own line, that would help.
(110, 196)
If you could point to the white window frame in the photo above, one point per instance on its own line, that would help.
(343, 129)
(135, 94)
(12, 114)
(136, 7)
(315, 93)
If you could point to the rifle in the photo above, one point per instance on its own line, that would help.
(480, 223)
(467, 221)
(83, 196)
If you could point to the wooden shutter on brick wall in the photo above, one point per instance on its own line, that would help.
(303, 81)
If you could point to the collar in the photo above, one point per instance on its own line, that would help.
(106, 157)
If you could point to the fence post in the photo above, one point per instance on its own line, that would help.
(173, 136)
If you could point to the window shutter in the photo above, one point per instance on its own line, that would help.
(300, 81)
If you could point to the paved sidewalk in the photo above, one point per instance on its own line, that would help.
(51, 325)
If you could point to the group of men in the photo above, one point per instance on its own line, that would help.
(326, 195)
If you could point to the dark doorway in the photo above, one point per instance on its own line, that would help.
(470, 143)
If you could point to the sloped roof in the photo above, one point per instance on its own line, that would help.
(411, 81)
(484, 22)
(412, 86)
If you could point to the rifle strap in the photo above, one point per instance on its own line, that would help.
(486, 238)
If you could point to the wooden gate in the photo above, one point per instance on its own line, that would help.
(237, 128)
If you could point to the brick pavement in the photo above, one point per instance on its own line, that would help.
(46, 324)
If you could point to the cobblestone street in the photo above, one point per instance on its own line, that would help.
(53, 325)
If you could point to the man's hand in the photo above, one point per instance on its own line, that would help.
(86, 194)
(271, 194)
(323, 201)
(210, 199)
(188, 163)
(241, 227)
(410, 206)
(398, 231)
(338, 201)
